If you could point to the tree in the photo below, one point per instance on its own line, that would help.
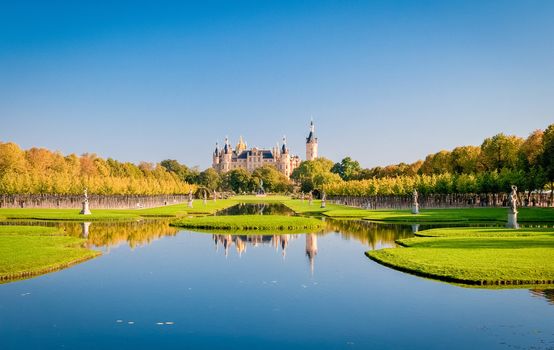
(171, 165)
(438, 163)
(465, 159)
(274, 180)
(500, 151)
(307, 171)
(347, 169)
(531, 150)
(238, 180)
(210, 179)
(547, 158)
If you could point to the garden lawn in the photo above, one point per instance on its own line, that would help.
(68, 214)
(478, 256)
(26, 251)
(250, 222)
(460, 215)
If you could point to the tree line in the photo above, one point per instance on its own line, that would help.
(499, 162)
(40, 171)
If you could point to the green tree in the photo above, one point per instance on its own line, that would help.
(238, 180)
(438, 163)
(347, 169)
(274, 180)
(210, 179)
(500, 151)
(465, 159)
(307, 171)
(547, 158)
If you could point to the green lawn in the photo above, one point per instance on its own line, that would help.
(250, 222)
(528, 215)
(67, 214)
(27, 251)
(176, 210)
(477, 256)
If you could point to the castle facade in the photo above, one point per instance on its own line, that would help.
(229, 158)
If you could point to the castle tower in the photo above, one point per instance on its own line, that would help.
(226, 156)
(215, 157)
(284, 161)
(311, 143)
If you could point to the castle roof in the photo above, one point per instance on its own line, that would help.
(266, 154)
(311, 137)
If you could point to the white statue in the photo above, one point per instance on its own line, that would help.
(512, 211)
(415, 204)
(86, 209)
(513, 200)
(190, 199)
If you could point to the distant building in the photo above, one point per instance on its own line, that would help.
(227, 158)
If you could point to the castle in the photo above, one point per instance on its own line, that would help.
(227, 158)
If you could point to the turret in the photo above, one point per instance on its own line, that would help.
(284, 149)
(215, 157)
(311, 143)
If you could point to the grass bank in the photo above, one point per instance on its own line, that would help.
(527, 215)
(67, 214)
(476, 256)
(27, 251)
(176, 210)
(250, 222)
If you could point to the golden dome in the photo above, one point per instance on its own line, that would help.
(241, 146)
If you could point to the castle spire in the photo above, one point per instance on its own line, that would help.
(311, 143)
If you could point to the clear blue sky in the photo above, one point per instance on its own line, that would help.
(385, 81)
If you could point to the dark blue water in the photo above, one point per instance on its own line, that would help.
(274, 292)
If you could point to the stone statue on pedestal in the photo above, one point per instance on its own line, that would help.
(324, 200)
(205, 198)
(261, 191)
(310, 198)
(86, 209)
(415, 204)
(190, 199)
(512, 210)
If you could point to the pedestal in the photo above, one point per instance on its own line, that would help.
(85, 210)
(190, 203)
(512, 221)
(415, 209)
(323, 203)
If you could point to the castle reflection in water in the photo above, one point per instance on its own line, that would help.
(241, 242)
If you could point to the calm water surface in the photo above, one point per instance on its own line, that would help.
(158, 287)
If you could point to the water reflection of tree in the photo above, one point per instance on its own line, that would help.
(547, 294)
(373, 234)
(134, 233)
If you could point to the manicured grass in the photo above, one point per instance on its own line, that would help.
(477, 256)
(304, 207)
(461, 215)
(177, 210)
(256, 199)
(27, 251)
(67, 214)
(250, 222)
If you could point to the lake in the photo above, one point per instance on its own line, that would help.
(160, 287)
